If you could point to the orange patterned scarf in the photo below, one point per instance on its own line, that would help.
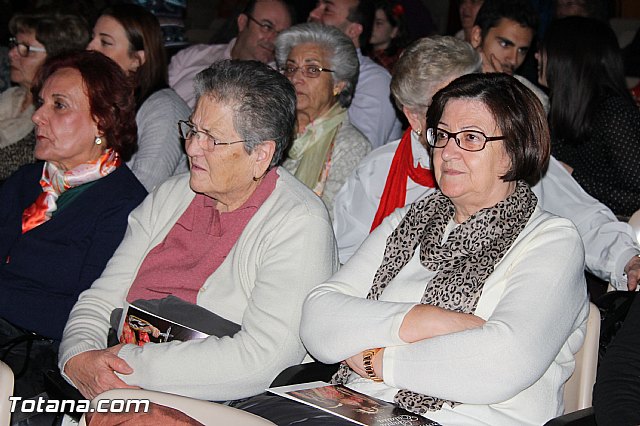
(55, 181)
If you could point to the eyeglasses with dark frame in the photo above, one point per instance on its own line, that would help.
(265, 27)
(469, 140)
(23, 48)
(205, 140)
(309, 71)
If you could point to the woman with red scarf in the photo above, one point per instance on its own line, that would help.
(62, 219)
(399, 171)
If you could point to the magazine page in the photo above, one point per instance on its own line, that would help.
(138, 326)
(351, 405)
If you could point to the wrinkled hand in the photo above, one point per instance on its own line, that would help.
(632, 269)
(93, 372)
(357, 365)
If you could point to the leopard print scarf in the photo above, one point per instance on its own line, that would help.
(463, 262)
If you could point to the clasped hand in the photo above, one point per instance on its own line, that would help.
(93, 372)
(632, 269)
(421, 322)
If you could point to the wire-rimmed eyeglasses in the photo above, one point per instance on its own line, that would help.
(469, 140)
(265, 27)
(309, 71)
(23, 48)
(205, 140)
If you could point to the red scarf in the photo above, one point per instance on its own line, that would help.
(395, 189)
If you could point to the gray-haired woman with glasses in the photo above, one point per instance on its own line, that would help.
(35, 37)
(237, 236)
(322, 64)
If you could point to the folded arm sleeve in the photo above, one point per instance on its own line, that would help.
(544, 298)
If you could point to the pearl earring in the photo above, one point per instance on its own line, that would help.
(98, 140)
(418, 132)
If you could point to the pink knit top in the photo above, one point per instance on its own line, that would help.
(195, 247)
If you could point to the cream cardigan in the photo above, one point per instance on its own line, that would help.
(286, 248)
(509, 371)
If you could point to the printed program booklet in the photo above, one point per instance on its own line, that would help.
(351, 405)
(138, 326)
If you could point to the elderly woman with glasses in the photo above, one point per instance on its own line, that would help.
(238, 237)
(468, 305)
(35, 37)
(322, 64)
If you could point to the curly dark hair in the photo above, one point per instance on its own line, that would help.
(110, 94)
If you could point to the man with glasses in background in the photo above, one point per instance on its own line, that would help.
(258, 25)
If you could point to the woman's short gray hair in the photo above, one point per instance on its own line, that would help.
(341, 52)
(426, 64)
(262, 99)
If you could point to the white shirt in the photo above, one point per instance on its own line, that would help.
(609, 243)
(371, 110)
(190, 61)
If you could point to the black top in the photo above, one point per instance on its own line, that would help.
(606, 163)
(616, 395)
(43, 271)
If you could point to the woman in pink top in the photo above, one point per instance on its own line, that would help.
(237, 236)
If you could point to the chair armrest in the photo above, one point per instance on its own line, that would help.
(303, 373)
(584, 417)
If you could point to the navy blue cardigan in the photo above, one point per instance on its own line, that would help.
(43, 271)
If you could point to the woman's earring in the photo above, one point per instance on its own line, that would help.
(98, 140)
(418, 132)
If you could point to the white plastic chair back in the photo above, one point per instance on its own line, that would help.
(634, 221)
(6, 390)
(578, 390)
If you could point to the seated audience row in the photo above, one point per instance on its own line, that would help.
(131, 36)
(397, 175)
(469, 305)
(238, 235)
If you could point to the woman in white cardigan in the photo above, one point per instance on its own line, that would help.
(491, 339)
(238, 236)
